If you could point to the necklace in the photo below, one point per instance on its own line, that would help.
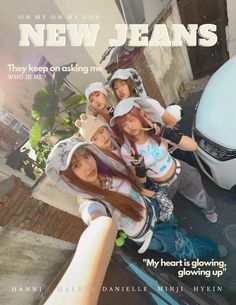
(105, 183)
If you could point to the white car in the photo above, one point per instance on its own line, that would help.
(214, 127)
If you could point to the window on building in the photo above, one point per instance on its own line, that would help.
(6, 119)
(25, 129)
(13, 123)
(24, 132)
(17, 127)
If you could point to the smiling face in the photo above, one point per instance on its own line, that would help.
(131, 125)
(102, 138)
(84, 166)
(97, 101)
(121, 89)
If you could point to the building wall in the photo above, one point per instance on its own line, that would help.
(231, 28)
(29, 261)
(36, 240)
(19, 209)
(6, 171)
(16, 92)
(8, 137)
(152, 8)
(177, 19)
(87, 11)
(168, 67)
(56, 196)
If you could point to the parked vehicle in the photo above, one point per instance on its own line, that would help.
(214, 127)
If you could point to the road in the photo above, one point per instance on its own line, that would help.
(189, 217)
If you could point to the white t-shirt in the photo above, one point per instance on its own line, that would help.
(128, 225)
(156, 157)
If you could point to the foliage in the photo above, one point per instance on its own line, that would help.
(46, 111)
(35, 136)
(35, 115)
(42, 154)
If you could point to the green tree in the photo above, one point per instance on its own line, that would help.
(52, 115)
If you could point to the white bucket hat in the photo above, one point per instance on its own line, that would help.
(120, 74)
(123, 108)
(61, 154)
(130, 73)
(96, 86)
(60, 157)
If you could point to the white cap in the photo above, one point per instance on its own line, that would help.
(61, 154)
(120, 74)
(123, 108)
(97, 86)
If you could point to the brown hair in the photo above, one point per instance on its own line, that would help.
(124, 204)
(130, 83)
(136, 113)
(112, 155)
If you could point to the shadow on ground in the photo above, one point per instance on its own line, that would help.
(189, 217)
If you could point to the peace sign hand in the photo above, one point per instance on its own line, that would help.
(135, 158)
(138, 162)
(155, 128)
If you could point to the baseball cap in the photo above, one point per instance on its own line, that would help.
(123, 108)
(120, 74)
(60, 156)
(96, 86)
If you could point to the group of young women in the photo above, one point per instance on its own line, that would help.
(120, 166)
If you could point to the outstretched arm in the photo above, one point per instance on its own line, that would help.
(186, 143)
(85, 274)
(173, 136)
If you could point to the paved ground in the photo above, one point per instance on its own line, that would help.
(190, 218)
(224, 231)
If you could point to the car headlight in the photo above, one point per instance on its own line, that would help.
(215, 150)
